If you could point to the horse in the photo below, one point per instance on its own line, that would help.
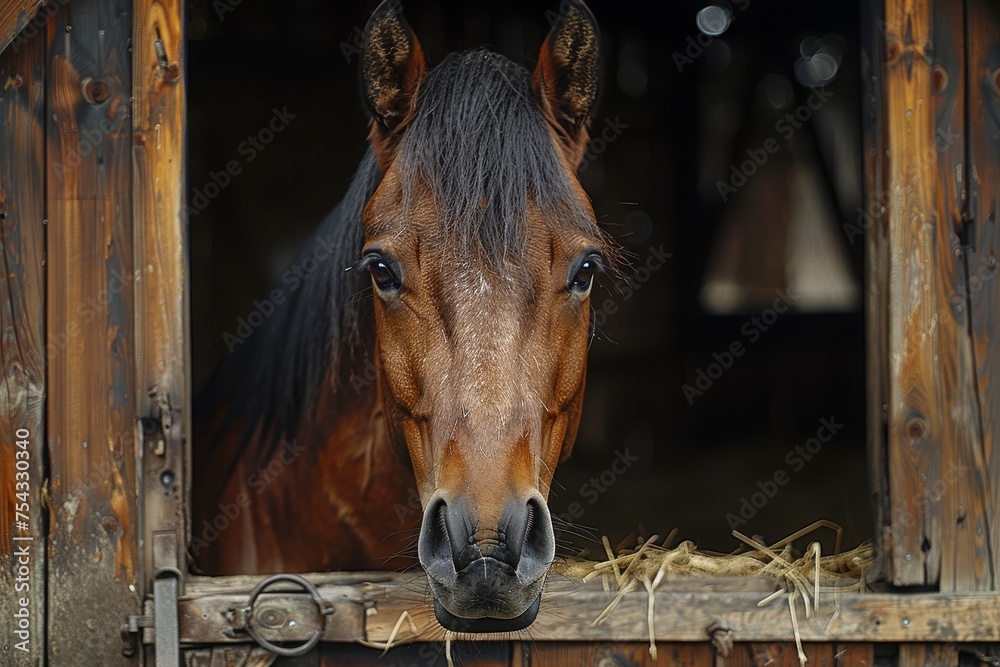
(460, 380)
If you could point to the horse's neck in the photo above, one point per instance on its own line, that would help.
(336, 496)
(351, 496)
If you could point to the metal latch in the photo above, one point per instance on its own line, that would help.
(243, 620)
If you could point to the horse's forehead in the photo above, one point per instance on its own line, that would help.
(419, 219)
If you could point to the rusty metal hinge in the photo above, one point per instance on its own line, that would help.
(161, 616)
(130, 632)
(161, 613)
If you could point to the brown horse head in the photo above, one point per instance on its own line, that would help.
(482, 249)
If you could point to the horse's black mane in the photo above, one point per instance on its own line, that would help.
(270, 378)
(479, 140)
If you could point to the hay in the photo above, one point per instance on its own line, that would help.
(806, 577)
(651, 561)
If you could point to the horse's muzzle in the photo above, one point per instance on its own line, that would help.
(451, 622)
(486, 579)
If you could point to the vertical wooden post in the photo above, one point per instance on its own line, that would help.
(961, 486)
(94, 558)
(22, 355)
(913, 418)
(983, 35)
(161, 298)
(936, 476)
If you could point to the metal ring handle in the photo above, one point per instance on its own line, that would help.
(304, 583)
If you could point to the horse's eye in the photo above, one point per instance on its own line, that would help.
(583, 279)
(382, 275)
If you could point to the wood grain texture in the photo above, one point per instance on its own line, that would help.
(914, 452)
(230, 656)
(854, 655)
(468, 654)
(22, 349)
(779, 654)
(933, 423)
(962, 484)
(93, 539)
(15, 16)
(928, 655)
(983, 31)
(611, 654)
(161, 304)
(926, 442)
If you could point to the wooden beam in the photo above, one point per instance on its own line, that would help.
(15, 15)
(93, 534)
(497, 654)
(244, 656)
(684, 611)
(914, 428)
(936, 485)
(634, 654)
(22, 354)
(935, 655)
(778, 654)
(961, 485)
(856, 654)
(983, 258)
(161, 298)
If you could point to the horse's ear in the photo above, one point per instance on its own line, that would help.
(565, 78)
(392, 65)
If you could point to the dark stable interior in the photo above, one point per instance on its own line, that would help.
(726, 382)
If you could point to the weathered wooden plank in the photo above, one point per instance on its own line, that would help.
(22, 355)
(93, 546)
(779, 654)
(983, 30)
(872, 220)
(687, 616)
(229, 656)
(854, 655)
(913, 459)
(161, 297)
(634, 654)
(916, 416)
(370, 611)
(928, 655)
(431, 654)
(965, 561)
(14, 17)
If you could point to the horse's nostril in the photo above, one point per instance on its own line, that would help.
(451, 538)
(446, 538)
(538, 533)
(435, 543)
(537, 547)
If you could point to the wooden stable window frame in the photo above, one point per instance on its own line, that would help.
(911, 92)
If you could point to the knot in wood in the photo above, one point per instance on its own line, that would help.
(173, 73)
(916, 428)
(96, 91)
